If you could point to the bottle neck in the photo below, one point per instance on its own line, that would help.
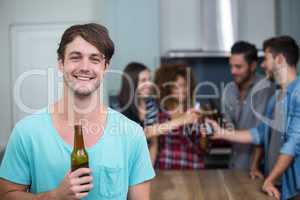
(78, 137)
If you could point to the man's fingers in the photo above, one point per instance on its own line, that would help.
(269, 192)
(82, 180)
(216, 127)
(276, 193)
(82, 188)
(252, 176)
(81, 195)
(256, 174)
(80, 172)
(272, 191)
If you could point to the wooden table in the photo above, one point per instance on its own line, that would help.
(206, 185)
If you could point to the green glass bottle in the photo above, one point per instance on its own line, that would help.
(79, 155)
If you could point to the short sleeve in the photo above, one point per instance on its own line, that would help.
(15, 163)
(141, 168)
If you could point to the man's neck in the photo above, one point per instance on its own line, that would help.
(76, 109)
(245, 86)
(287, 76)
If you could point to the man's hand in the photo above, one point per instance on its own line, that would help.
(282, 163)
(231, 135)
(255, 173)
(269, 188)
(75, 185)
(217, 130)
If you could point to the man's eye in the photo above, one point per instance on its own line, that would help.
(74, 58)
(95, 60)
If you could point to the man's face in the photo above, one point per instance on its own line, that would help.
(274, 66)
(240, 69)
(268, 64)
(83, 67)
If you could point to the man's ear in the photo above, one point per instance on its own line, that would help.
(106, 66)
(60, 65)
(280, 59)
(253, 66)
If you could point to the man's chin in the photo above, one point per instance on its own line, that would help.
(83, 92)
(238, 81)
(270, 77)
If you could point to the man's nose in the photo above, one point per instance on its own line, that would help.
(84, 64)
(233, 71)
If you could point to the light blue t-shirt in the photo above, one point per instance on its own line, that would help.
(37, 156)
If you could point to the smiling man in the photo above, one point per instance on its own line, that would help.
(36, 164)
(241, 104)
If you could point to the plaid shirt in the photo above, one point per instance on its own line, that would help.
(180, 148)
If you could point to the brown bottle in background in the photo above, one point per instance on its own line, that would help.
(208, 112)
(79, 155)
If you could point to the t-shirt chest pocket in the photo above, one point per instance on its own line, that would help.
(111, 181)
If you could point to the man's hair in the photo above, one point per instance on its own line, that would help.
(95, 34)
(247, 49)
(284, 45)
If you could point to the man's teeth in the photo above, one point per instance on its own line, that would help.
(83, 78)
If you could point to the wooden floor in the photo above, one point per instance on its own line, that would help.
(206, 185)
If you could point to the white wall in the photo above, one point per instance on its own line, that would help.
(288, 20)
(181, 23)
(135, 26)
(34, 11)
(257, 20)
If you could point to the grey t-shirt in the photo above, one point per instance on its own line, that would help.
(245, 114)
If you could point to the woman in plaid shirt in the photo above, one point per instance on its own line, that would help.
(179, 139)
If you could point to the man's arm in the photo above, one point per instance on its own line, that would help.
(73, 187)
(12, 191)
(290, 147)
(139, 191)
(282, 163)
(236, 136)
(254, 166)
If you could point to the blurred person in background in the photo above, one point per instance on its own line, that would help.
(241, 105)
(179, 146)
(279, 131)
(137, 100)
